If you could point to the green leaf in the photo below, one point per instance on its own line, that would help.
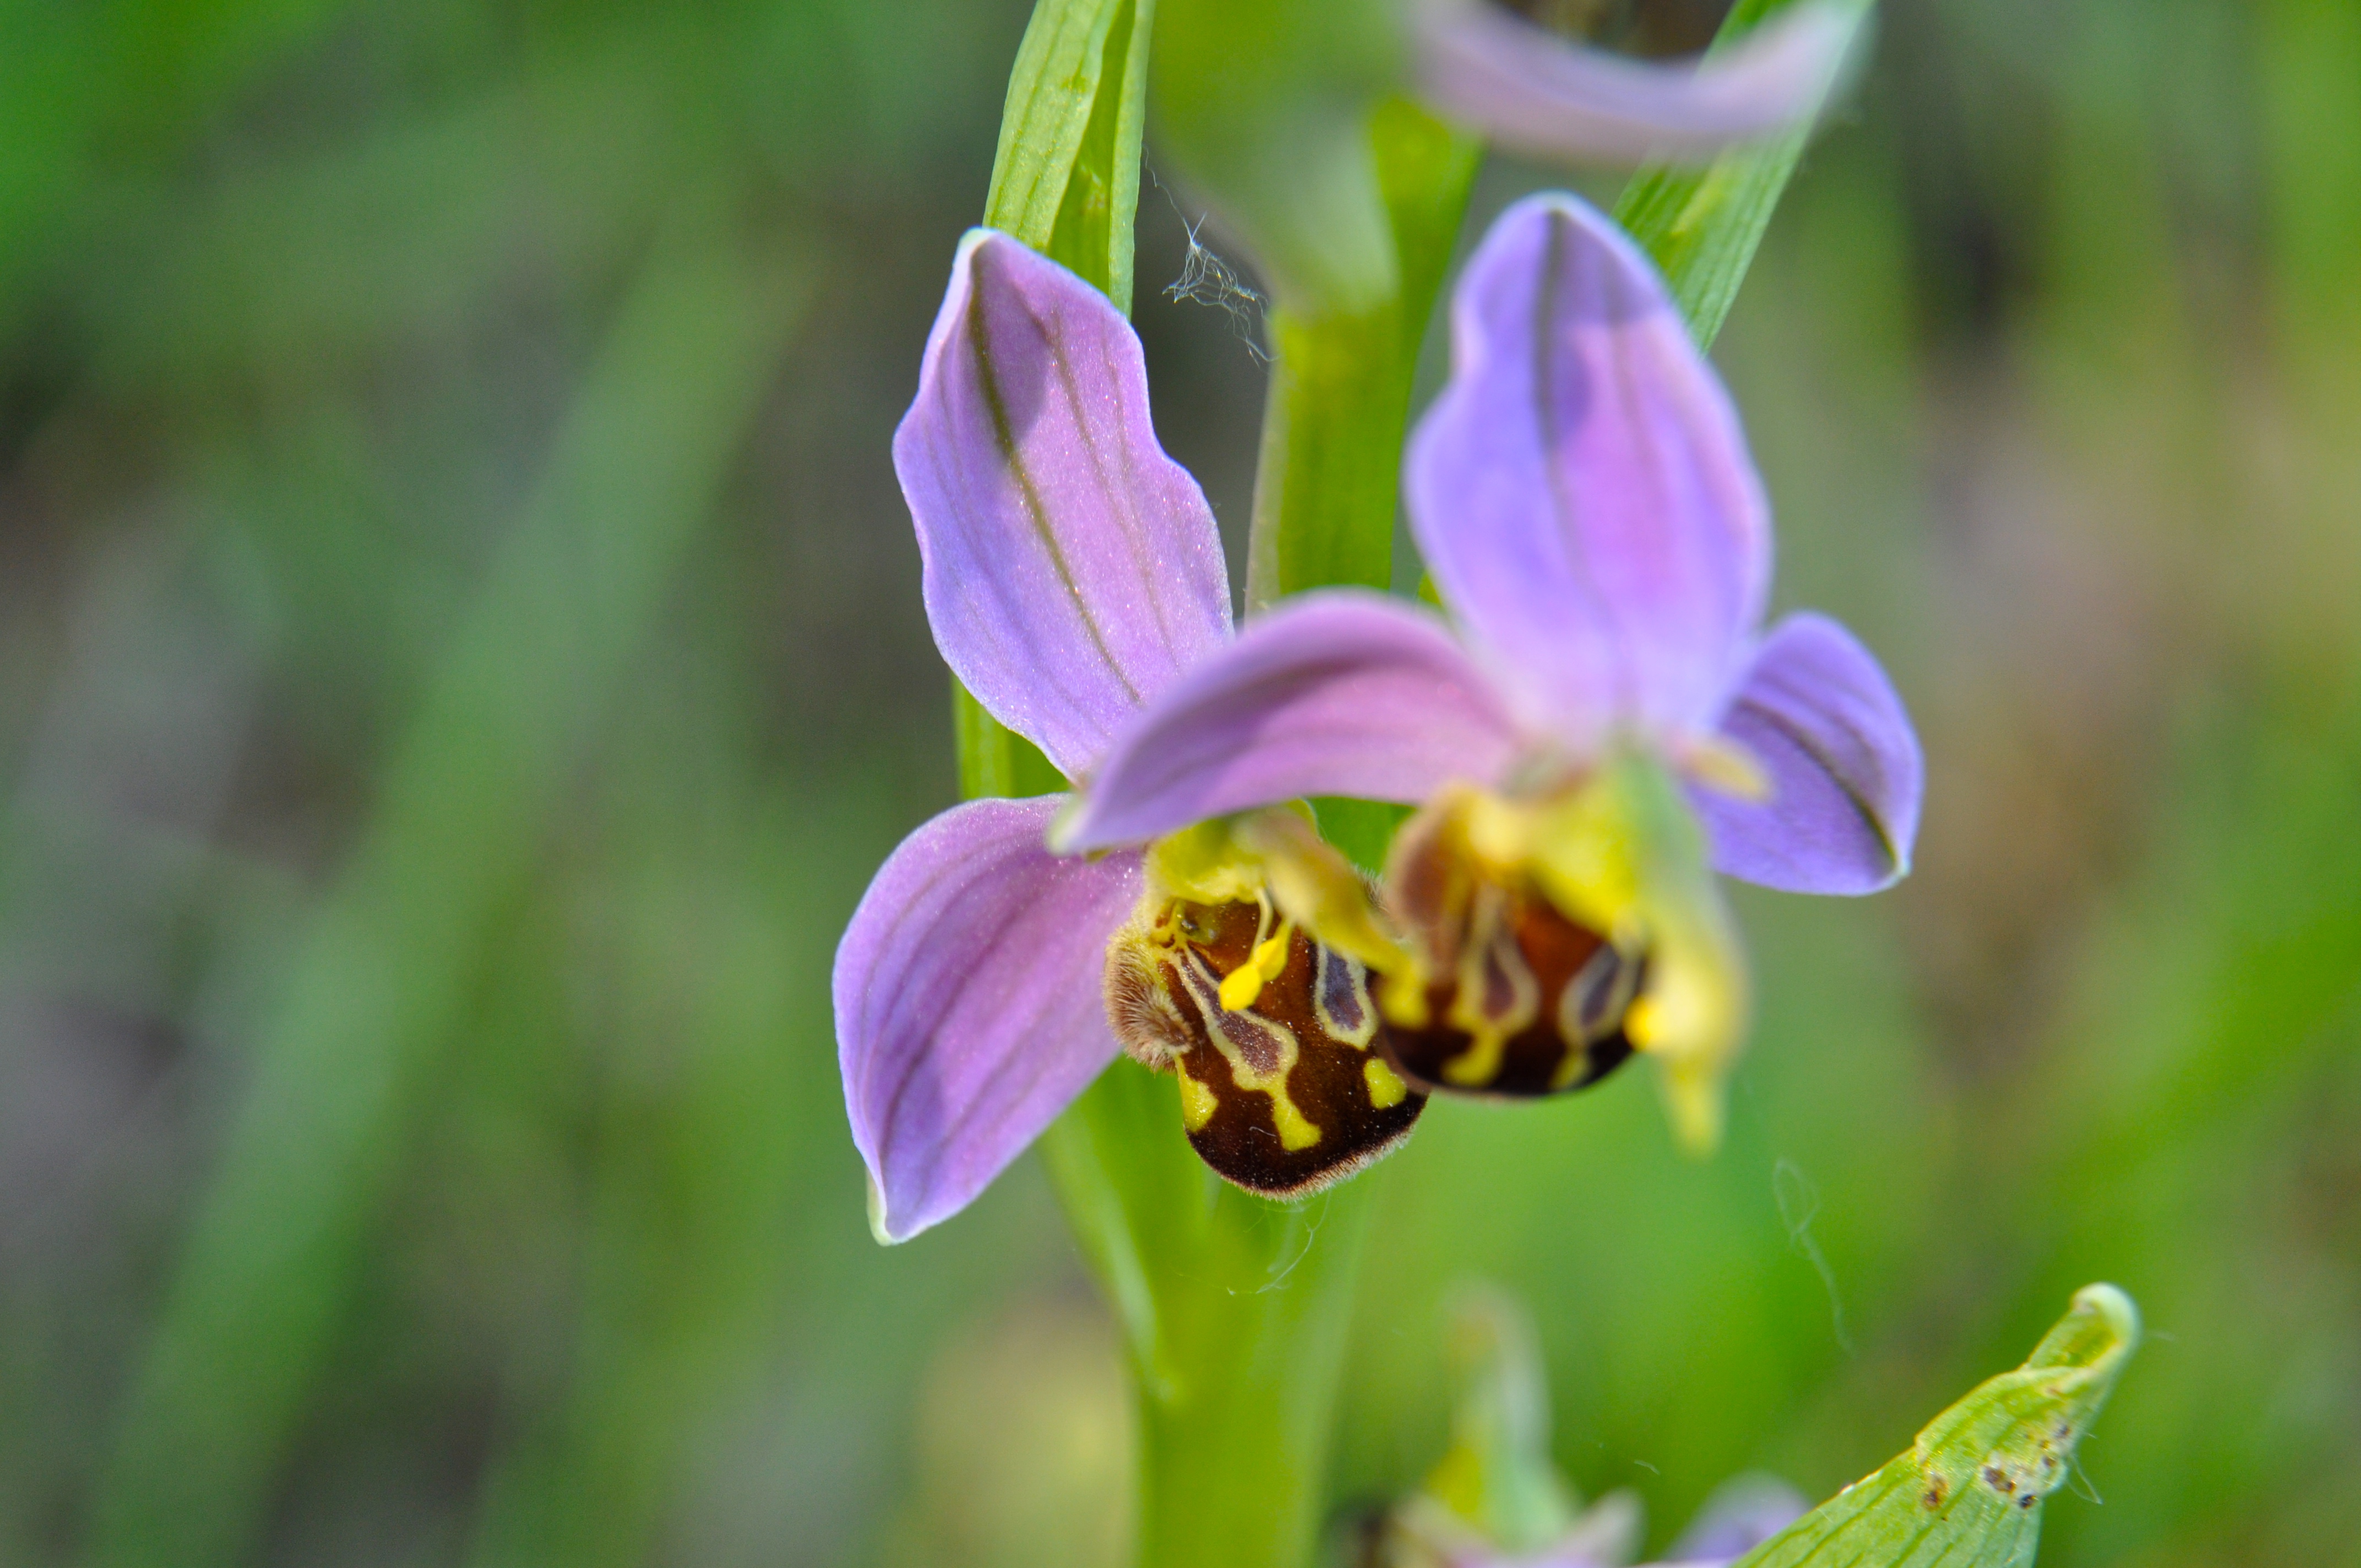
(1066, 178)
(1970, 1489)
(994, 759)
(379, 986)
(1703, 225)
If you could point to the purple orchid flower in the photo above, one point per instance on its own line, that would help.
(1534, 91)
(1619, 725)
(1073, 576)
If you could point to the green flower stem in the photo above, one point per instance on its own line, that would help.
(1324, 495)
(1233, 1462)
(1234, 1309)
(1328, 489)
(1702, 224)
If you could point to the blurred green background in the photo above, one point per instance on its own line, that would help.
(460, 659)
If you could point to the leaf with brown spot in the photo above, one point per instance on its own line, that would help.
(1970, 1489)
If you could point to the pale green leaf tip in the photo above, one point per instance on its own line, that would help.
(1498, 1474)
(2101, 1330)
(2016, 1432)
(1971, 1487)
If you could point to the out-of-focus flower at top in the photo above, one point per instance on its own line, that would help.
(1534, 91)
(1496, 1500)
(1072, 573)
(1583, 495)
(1271, 111)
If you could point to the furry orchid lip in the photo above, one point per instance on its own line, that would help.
(1289, 1090)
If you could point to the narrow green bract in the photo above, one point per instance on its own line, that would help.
(1703, 225)
(1066, 178)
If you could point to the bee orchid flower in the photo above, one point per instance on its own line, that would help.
(1619, 724)
(1072, 574)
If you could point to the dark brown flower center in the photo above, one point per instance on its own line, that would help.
(1505, 995)
(1284, 1094)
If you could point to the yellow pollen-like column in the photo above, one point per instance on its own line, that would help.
(1242, 985)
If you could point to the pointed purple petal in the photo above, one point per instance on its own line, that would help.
(1538, 93)
(968, 1002)
(1743, 1512)
(1843, 762)
(1582, 490)
(1336, 693)
(1072, 569)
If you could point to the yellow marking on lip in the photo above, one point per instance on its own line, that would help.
(1386, 1088)
(1569, 1069)
(1295, 1133)
(1198, 1103)
(1403, 998)
(1242, 985)
(1479, 1064)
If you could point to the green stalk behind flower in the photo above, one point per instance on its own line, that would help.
(1233, 1318)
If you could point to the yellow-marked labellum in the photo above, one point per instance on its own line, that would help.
(1284, 1095)
(1503, 995)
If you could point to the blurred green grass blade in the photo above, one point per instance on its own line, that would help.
(385, 976)
(291, 266)
(1703, 225)
(1970, 1490)
(1066, 181)
(83, 86)
(2309, 56)
(705, 938)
